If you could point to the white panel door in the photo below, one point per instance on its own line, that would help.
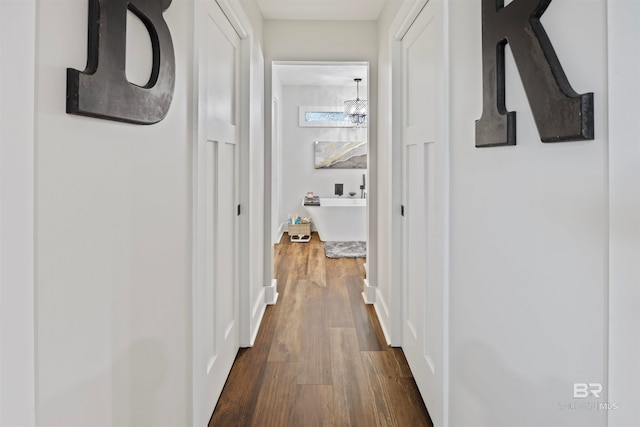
(425, 206)
(216, 332)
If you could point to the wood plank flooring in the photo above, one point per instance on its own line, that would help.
(320, 358)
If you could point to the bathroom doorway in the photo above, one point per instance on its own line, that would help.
(307, 121)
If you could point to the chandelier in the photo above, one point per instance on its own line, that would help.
(356, 109)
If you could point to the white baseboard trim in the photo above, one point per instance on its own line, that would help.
(382, 311)
(257, 311)
(271, 293)
(369, 294)
(257, 321)
(259, 304)
(382, 304)
(281, 230)
(268, 296)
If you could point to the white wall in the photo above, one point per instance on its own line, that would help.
(529, 238)
(299, 173)
(113, 243)
(17, 339)
(624, 238)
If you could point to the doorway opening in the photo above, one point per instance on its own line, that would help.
(316, 150)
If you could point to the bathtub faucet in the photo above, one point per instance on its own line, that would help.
(362, 187)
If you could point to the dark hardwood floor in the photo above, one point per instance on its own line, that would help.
(320, 358)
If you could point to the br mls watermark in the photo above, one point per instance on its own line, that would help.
(586, 391)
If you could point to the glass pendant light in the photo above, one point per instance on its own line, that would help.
(356, 109)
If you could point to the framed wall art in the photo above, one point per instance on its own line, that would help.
(340, 154)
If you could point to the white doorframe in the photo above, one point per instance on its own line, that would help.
(271, 194)
(396, 295)
(276, 171)
(247, 328)
(404, 18)
(252, 69)
(17, 144)
(624, 209)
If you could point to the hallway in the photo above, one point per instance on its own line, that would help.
(320, 358)
(130, 253)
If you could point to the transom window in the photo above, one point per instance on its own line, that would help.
(323, 116)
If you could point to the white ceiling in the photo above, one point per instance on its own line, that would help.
(320, 74)
(323, 10)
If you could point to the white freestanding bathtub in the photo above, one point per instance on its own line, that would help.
(340, 219)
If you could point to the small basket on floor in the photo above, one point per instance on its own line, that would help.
(299, 232)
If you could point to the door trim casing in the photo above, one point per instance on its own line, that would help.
(242, 27)
(403, 21)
